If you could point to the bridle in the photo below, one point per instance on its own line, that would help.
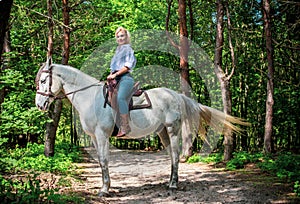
(49, 92)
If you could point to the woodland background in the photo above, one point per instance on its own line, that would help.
(91, 23)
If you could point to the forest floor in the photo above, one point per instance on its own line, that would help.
(142, 177)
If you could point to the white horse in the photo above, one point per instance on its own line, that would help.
(172, 116)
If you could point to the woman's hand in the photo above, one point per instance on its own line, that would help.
(118, 73)
(111, 76)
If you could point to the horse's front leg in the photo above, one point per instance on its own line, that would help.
(187, 143)
(103, 154)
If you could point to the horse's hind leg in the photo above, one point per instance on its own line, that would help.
(173, 129)
(187, 143)
(164, 138)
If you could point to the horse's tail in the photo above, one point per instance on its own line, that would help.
(219, 120)
(199, 117)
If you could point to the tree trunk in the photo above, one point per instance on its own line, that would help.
(66, 20)
(65, 60)
(270, 85)
(5, 8)
(183, 49)
(51, 128)
(183, 46)
(54, 113)
(224, 80)
(50, 27)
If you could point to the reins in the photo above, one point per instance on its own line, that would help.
(72, 92)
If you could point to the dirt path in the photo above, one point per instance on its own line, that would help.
(142, 177)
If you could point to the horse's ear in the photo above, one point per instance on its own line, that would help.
(48, 62)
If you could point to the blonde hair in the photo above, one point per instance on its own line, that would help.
(119, 29)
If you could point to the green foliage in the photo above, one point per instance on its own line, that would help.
(29, 191)
(32, 158)
(18, 117)
(297, 188)
(241, 158)
(94, 22)
(284, 166)
(214, 157)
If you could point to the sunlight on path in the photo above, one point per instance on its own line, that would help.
(142, 177)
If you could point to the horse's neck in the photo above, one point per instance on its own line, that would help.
(72, 76)
(76, 81)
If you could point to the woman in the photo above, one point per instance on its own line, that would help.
(121, 65)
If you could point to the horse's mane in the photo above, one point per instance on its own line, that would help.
(75, 71)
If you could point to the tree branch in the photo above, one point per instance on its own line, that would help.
(46, 16)
(230, 43)
(169, 2)
(191, 20)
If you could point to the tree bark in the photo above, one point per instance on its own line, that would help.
(54, 113)
(51, 128)
(183, 46)
(224, 79)
(184, 49)
(50, 27)
(5, 8)
(270, 84)
(65, 60)
(66, 20)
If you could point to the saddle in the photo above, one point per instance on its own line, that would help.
(110, 92)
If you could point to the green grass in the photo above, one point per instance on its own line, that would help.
(32, 158)
(285, 165)
(212, 158)
(21, 167)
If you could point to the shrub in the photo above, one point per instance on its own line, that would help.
(32, 159)
(284, 166)
(215, 157)
(241, 158)
(297, 188)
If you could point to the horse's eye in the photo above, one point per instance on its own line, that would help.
(43, 81)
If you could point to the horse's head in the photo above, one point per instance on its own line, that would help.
(48, 87)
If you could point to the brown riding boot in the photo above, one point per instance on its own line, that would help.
(124, 127)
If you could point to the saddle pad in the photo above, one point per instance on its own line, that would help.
(139, 100)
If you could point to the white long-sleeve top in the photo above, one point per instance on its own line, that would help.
(124, 56)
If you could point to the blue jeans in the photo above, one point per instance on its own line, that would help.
(124, 92)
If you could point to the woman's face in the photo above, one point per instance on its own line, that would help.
(121, 37)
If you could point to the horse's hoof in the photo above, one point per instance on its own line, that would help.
(103, 194)
(172, 187)
(183, 159)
